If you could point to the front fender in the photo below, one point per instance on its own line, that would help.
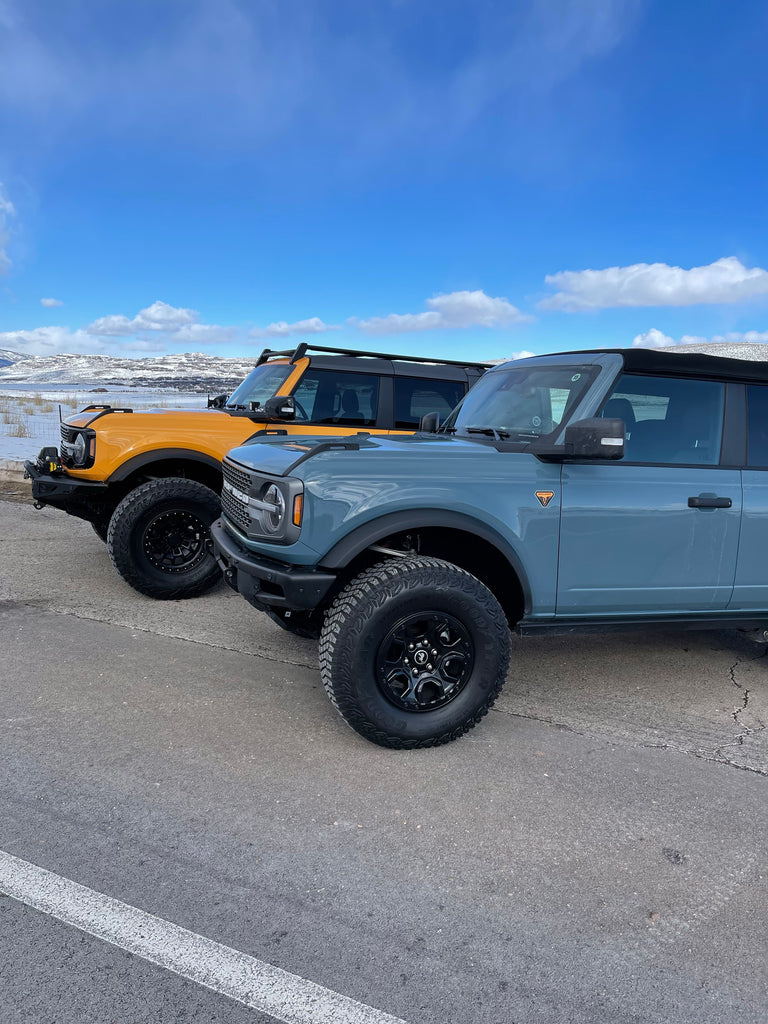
(358, 540)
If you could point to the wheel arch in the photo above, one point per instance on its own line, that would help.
(467, 542)
(165, 462)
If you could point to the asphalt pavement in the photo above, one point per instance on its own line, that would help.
(594, 851)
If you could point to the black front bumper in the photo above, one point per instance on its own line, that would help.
(82, 498)
(265, 583)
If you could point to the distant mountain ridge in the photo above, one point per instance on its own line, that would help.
(7, 357)
(197, 371)
(186, 371)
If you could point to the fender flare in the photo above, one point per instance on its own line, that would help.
(355, 542)
(162, 455)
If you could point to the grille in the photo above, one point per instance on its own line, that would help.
(235, 510)
(68, 434)
(237, 477)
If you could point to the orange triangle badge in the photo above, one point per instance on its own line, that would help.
(545, 497)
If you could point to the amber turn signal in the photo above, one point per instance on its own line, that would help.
(298, 508)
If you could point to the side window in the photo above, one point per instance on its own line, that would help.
(415, 396)
(669, 420)
(330, 397)
(757, 425)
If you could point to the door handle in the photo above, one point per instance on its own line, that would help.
(709, 501)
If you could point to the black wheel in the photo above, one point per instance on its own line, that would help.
(414, 652)
(158, 538)
(101, 529)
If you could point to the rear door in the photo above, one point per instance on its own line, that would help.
(657, 532)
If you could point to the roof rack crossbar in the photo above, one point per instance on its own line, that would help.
(301, 350)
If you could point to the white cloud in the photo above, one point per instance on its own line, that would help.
(51, 303)
(157, 317)
(525, 354)
(152, 330)
(655, 284)
(455, 310)
(6, 212)
(654, 338)
(50, 341)
(281, 329)
(203, 334)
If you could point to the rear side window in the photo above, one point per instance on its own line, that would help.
(332, 397)
(757, 425)
(669, 420)
(415, 396)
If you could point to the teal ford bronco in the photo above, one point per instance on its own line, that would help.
(584, 491)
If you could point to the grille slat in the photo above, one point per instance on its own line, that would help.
(239, 478)
(234, 509)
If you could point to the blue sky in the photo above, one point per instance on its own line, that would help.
(456, 178)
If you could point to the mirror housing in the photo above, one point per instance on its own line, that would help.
(595, 438)
(429, 423)
(280, 408)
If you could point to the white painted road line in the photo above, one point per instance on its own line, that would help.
(256, 984)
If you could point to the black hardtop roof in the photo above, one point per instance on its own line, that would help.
(376, 362)
(687, 364)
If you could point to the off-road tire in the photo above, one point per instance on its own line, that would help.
(138, 514)
(367, 611)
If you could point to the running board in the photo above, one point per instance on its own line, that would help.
(567, 627)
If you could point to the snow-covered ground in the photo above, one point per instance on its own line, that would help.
(29, 416)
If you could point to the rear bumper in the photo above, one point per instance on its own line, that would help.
(265, 583)
(82, 498)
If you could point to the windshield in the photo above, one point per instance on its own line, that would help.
(521, 403)
(259, 385)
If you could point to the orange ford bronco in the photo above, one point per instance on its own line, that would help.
(149, 482)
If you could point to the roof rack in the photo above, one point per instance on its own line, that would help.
(301, 350)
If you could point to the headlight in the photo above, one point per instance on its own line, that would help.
(79, 450)
(272, 518)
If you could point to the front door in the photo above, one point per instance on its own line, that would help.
(657, 532)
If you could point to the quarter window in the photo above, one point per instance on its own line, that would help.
(668, 420)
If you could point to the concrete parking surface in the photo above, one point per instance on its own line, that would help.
(593, 851)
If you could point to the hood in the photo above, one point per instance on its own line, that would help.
(288, 457)
(85, 418)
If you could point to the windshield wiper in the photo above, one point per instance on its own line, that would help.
(498, 435)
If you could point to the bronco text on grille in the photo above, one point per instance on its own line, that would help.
(232, 505)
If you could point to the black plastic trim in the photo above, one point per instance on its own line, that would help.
(734, 448)
(707, 620)
(296, 587)
(342, 553)
(160, 455)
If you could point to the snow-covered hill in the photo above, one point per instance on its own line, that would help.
(7, 357)
(187, 371)
(196, 371)
(726, 349)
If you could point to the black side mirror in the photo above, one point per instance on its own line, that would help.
(217, 402)
(595, 438)
(280, 408)
(429, 423)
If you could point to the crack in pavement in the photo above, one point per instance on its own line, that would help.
(744, 730)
